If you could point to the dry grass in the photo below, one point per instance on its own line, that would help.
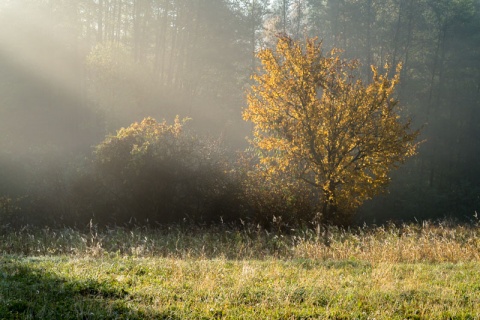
(407, 243)
(427, 271)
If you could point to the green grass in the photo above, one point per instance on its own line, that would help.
(240, 274)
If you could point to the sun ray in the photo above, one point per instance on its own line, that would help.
(37, 43)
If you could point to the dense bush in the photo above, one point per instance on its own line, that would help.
(271, 200)
(150, 172)
(154, 172)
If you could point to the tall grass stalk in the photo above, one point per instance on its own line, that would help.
(409, 243)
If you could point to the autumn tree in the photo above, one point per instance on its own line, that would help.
(317, 121)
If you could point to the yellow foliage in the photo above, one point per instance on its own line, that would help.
(314, 119)
(133, 143)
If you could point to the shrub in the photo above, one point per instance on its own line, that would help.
(157, 172)
(272, 200)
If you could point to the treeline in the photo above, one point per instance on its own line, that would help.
(74, 71)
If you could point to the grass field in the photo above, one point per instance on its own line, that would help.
(409, 272)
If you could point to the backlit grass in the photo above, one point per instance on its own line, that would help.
(391, 244)
(413, 272)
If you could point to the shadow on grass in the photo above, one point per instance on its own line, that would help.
(30, 292)
(351, 265)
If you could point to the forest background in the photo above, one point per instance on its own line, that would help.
(72, 72)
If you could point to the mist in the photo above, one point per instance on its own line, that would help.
(72, 72)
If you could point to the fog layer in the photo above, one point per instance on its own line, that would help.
(73, 71)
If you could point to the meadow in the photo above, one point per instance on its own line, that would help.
(414, 271)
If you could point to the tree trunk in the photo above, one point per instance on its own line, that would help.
(329, 209)
(284, 16)
(368, 46)
(100, 22)
(396, 37)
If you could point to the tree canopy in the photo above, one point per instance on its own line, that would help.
(314, 118)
